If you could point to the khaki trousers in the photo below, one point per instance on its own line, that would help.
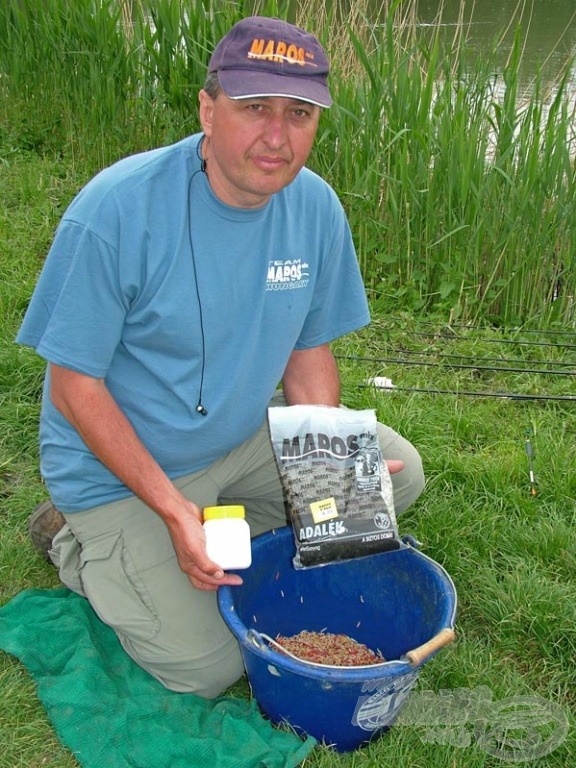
(120, 557)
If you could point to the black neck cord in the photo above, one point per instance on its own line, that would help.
(200, 407)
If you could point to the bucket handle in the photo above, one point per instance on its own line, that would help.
(256, 638)
(418, 655)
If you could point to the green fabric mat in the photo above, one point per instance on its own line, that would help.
(109, 712)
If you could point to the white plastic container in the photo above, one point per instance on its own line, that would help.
(228, 536)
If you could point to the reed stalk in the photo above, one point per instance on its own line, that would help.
(458, 182)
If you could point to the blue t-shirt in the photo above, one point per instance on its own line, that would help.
(165, 292)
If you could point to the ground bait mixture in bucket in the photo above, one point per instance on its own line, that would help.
(335, 481)
(329, 649)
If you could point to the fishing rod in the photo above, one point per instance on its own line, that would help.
(448, 356)
(455, 337)
(508, 330)
(503, 395)
(466, 366)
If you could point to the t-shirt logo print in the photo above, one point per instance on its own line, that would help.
(287, 274)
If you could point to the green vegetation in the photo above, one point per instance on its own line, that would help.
(460, 188)
(460, 193)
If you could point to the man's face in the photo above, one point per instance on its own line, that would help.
(255, 147)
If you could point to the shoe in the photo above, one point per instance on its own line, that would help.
(43, 524)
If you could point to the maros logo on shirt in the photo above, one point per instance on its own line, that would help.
(287, 274)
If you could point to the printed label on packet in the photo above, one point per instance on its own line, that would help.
(324, 510)
(336, 485)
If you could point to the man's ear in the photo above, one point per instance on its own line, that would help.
(206, 111)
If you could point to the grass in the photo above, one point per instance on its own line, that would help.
(421, 225)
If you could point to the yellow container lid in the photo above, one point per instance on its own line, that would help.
(224, 511)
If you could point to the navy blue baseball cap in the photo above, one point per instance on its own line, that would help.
(262, 56)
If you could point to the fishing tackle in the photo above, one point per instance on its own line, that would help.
(530, 455)
(503, 395)
(465, 366)
(518, 342)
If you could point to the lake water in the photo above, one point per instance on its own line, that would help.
(548, 29)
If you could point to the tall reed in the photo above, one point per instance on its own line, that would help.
(459, 185)
(461, 189)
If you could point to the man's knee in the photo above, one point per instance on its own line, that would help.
(207, 676)
(407, 484)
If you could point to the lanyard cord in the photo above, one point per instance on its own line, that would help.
(200, 406)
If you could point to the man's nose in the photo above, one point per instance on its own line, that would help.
(275, 131)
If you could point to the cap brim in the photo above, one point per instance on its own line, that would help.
(243, 84)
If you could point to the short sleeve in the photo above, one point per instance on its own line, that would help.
(77, 310)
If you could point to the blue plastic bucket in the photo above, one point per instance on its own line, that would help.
(401, 603)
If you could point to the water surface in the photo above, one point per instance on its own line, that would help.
(548, 29)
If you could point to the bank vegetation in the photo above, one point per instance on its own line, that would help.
(459, 181)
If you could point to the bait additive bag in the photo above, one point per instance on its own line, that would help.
(335, 481)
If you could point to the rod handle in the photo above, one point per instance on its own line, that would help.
(420, 654)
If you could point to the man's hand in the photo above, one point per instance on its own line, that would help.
(189, 542)
(394, 465)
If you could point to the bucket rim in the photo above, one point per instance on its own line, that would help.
(250, 640)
